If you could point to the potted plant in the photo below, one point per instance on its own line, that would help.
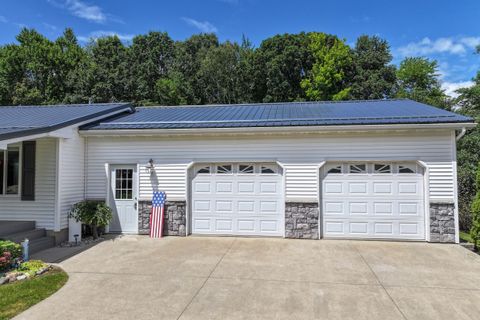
(93, 213)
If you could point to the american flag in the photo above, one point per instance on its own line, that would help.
(157, 216)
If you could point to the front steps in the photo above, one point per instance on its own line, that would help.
(17, 231)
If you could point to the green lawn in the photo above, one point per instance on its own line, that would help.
(19, 296)
(465, 236)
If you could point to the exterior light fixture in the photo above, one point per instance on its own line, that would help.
(150, 166)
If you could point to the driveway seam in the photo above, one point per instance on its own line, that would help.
(204, 282)
(380, 283)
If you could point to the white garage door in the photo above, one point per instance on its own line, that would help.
(238, 199)
(373, 200)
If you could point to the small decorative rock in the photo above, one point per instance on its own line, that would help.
(84, 242)
(3, 280)
(22, 277)
(42, 271)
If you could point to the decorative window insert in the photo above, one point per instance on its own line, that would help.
(382, 168)
(268, 169)
(124, 184)
(407, 168)
(10, 171)
(204, 170)
(335, 169)
(246, 168)
(357, 168)
(224, 169)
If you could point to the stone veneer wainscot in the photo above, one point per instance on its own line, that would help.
(442, 222)
(175, 218)
(301, 220)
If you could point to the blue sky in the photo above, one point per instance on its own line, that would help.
(444, 30)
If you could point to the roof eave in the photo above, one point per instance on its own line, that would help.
(51, 129)
(280, 129)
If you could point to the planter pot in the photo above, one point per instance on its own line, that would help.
(74, 228)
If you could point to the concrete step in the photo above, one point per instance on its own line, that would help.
(40, 244)
(29, 234)
(11, 227)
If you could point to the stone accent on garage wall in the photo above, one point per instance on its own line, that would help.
(301, 220)
(175, 218)
(442, 222)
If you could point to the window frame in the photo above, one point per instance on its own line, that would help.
(271, 167)
(240, 172)
(4, 193)
(415, 168)
(365, 171)
(232, 168)
(383, 165)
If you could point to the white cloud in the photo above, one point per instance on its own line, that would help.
(203, 26)
(451, 87)
(82, 10)
(450, 45)
(3, 19)
(101, 33)
(49, 26)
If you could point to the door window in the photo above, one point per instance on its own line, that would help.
(124, 184)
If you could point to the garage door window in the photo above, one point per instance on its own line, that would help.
(404, 168)
(245, 169)
(357, 168)
(204, 170)
(266, 169)
(335, 169)
(382, 168)
(224, 169)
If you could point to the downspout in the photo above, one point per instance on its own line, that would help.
(461, 134)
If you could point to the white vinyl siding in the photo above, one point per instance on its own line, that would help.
(299, 154)
(42, 210)
(71, 175)
(301, 181)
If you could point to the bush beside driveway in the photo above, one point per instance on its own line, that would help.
(247, 278)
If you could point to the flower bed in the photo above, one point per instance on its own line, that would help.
(12, 268)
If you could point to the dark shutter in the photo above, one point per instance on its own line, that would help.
(28, 171)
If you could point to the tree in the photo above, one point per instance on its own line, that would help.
(475, 230)
(108, 70)
(151, 59)
(332, 59)
(281, 63)
(418, 79)
(469, 98)
(373, 76)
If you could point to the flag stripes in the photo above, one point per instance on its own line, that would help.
(157, 214)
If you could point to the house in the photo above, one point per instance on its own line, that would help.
(379, 169)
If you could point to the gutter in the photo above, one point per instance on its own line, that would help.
(267, 130)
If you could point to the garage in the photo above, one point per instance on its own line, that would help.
(238, 199)
(376, 200)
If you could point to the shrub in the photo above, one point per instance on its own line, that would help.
(475, 229)
(10, 252)
(32, 266)
(94, 213)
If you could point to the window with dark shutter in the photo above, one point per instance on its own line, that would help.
(28, 171)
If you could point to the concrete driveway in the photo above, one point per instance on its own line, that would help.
(135, 277)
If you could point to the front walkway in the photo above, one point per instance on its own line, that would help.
(135, 277)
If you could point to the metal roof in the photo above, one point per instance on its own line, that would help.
(368, 112)
(19, 121)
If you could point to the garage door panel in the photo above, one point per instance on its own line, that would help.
(224, 187)
(246, 203)
(366, 205)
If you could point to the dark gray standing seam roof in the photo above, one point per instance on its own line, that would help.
(369, 112)
(19, 121)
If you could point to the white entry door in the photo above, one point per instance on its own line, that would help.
(123, 201)
(373, 200)
(238, 199)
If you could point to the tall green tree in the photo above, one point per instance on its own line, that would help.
(373, 76)
(327, 79)
(151, 59)
(418, 79)
(281, 63)
(109, 70)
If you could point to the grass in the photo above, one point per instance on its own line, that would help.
(19, 296)
(465, 236)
